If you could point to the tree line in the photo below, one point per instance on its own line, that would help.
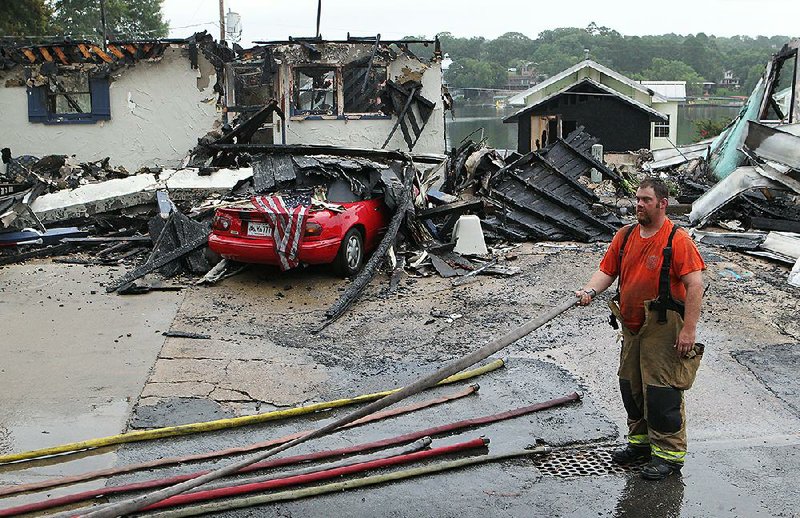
(81, 19)
(477, 62)
(484, 63)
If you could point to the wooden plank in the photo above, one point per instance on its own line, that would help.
(105, 57)
(114, 50)
(85, 51)
(30, 55)
(61, 56)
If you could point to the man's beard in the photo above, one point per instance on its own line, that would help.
(643, 218)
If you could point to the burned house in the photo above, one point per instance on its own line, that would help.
(141, 103)
(623, 114)
(351, 93)
(146, 104)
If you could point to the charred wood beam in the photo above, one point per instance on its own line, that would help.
(400, 118)
(566, 178)
(350, 39)
(369, 65)
(354, 290)
(778, 225)
(580, 211)
(459, 207)
(39, 252)
(302, 149)
(777, 108)
(157, 262)
(63, 91)
(591, 161)
(99, 240)
(245, 131)
(404, 92)
(548, 218)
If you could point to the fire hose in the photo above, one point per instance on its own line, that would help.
(137, 503)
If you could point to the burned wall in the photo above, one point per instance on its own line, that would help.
(334, 124)
(158, 110)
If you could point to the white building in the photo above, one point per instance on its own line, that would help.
(147, 103)
(142, 104)
(624, 114)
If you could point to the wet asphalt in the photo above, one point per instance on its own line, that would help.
(743, 419)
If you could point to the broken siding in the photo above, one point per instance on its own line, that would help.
(158, 110)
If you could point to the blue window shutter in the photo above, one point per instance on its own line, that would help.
(101, 100)
(37, 104)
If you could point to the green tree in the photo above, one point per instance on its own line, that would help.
(508, 48)
(24, 17)
(750, 80)
(673, 70)
(459, 48)
(125, 19)
(474, 73)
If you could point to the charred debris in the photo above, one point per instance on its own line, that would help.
(745, 184)
(457, 214)
(446, 206)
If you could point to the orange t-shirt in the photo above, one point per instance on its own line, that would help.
(641, 266)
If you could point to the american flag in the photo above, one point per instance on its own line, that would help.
(287, 217)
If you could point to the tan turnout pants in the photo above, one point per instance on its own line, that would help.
(652, 379)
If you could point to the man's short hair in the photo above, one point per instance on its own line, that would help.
(658, 186)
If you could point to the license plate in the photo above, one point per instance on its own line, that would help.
(258, 229)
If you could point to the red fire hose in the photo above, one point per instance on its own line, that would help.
(213, 494)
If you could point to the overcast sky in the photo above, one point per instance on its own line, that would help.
(278, 19)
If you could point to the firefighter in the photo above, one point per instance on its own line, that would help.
(659, 293)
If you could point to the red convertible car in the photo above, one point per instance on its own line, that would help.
(282, 231)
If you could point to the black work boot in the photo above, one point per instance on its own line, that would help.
(659, 469)
(630, 454)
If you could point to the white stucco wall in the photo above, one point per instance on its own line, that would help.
(158, 111)
(670, 109)
(368, 133)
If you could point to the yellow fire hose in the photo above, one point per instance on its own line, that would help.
(220, 424)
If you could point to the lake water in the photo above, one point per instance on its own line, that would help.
(487, 122)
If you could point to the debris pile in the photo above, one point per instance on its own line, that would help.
(748, 178)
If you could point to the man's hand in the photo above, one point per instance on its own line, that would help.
(685, 341)
(585, 295)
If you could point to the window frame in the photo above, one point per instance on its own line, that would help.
(296, 91)
(338, 87)
(659, 125)
(40, 109)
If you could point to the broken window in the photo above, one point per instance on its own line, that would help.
(315, 91)
(362, 85)
(69, 94)
(69, 97)
(661, 129)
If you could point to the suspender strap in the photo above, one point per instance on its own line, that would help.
(621, 252)
(665, 300)
(613, 319)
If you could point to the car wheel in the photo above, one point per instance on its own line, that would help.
(351, 253)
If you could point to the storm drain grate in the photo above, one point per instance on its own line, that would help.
(583, 463)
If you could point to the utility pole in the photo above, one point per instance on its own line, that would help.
(103, 23)
(319, 15)
(221, 20)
